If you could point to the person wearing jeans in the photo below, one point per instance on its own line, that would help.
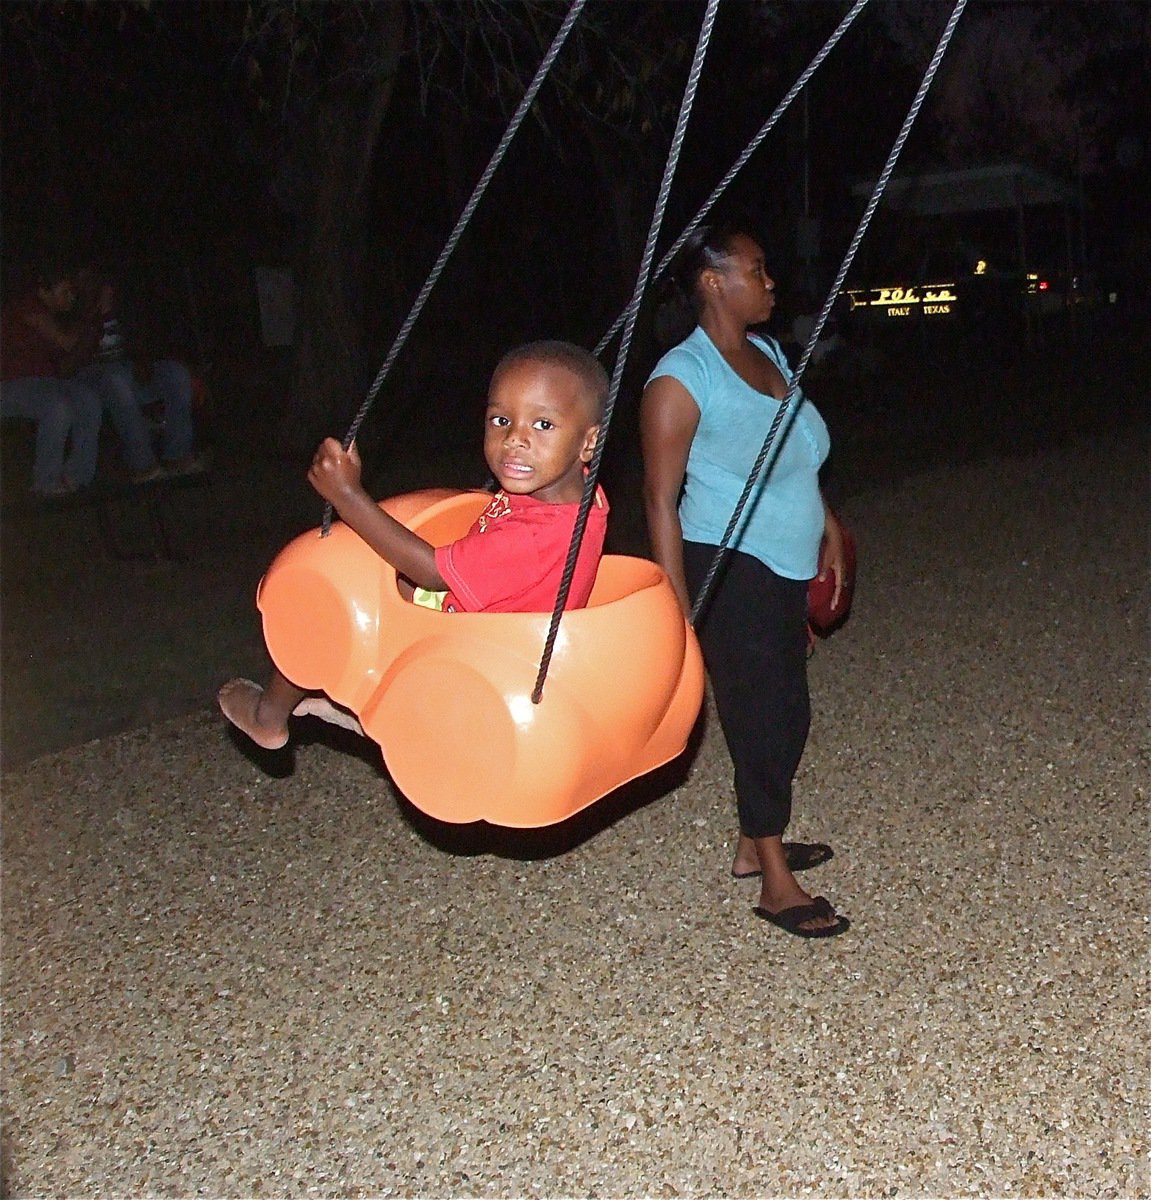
(125, 397)
(124, 400)
(33, 345)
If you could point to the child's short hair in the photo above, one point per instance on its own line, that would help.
(582, 363)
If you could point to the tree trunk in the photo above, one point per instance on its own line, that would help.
(620, 178)
(331, 373)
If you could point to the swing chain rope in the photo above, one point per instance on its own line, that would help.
(832, 296)
(465, 216)
(742, 161)
(630, 315)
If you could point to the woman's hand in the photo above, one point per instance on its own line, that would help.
(832, 557)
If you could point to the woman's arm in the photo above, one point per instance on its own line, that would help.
(669, 418)
(832, 557)
(335, 474)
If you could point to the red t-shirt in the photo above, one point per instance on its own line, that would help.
(512, 558)
(24, 351)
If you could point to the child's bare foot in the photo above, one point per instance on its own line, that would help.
(322, 707)
(239, 701)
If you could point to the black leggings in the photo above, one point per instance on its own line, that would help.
(753, 633)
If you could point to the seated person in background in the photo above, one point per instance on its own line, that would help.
(108, 360)
(34, 344)
(544, 409)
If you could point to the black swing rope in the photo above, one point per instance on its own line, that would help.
(631, 313)
(742, 160)
(465, 216)
(832, 296)
(627, 319)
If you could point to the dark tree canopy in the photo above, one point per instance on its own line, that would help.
(341, 140)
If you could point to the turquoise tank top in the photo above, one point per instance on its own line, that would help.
(782, 524)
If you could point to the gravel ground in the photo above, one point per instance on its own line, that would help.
(231, 977)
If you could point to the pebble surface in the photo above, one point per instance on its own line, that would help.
(228, 978)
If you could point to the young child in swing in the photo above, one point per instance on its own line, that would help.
(545, 404)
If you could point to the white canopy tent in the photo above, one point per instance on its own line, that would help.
(976, 189)
(982, 189)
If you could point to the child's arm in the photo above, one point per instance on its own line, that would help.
(335, 474)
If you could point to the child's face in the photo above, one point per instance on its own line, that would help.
(539, 431)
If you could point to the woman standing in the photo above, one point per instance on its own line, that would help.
(706, 410)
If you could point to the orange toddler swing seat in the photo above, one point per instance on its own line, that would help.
(448, 695)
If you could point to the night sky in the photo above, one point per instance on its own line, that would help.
(186, 144)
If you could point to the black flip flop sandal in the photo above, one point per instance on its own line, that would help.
(791, 920)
